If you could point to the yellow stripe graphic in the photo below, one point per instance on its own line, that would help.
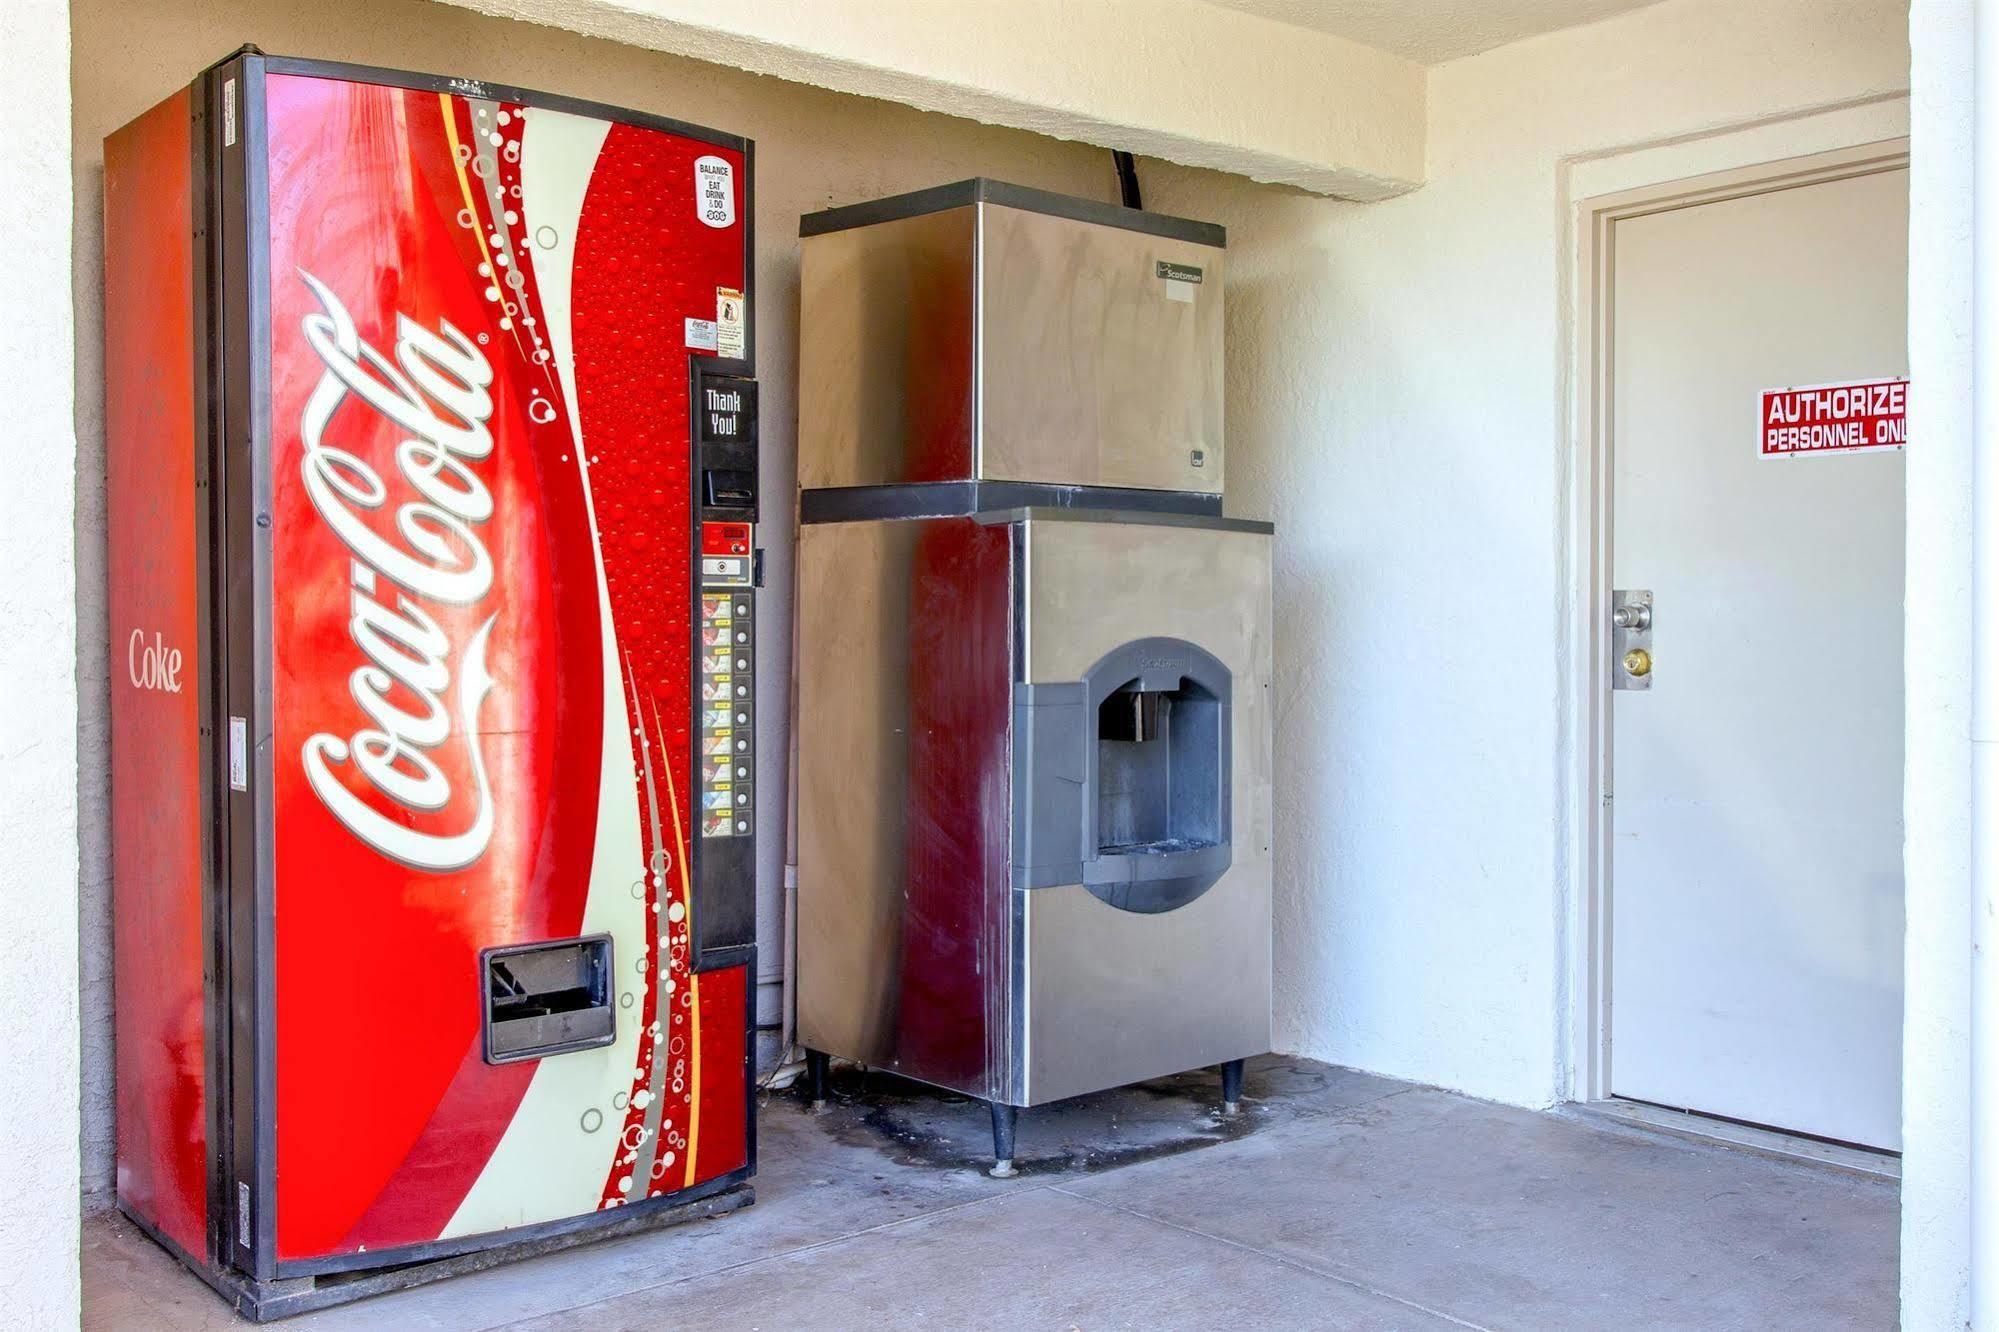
(694, 1076)
(693, 981)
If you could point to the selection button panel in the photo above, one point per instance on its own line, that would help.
(727, 683)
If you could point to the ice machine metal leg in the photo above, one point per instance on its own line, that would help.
(1231, 1086)
(1003, 1121)
(818, 1066)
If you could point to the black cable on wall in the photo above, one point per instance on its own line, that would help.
(1127, 178)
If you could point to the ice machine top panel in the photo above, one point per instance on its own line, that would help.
(984, 332)
(959, 194)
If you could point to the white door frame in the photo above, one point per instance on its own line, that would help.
(1595, 230)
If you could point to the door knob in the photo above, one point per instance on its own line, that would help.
(1631, 637)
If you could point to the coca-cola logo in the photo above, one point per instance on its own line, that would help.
(152, 665)
(434, 391)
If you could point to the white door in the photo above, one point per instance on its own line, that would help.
(1755, 878)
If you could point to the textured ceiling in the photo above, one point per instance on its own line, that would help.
(1429, 31)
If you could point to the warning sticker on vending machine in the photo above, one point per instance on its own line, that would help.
(1863, 416)
(728, 322)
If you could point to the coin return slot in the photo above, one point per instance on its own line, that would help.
(546, 999)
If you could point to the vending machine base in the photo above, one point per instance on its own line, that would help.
(268, 1301)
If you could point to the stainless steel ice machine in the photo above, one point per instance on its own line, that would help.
(1034, 658)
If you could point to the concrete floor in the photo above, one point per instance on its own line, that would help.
(1335, 1200)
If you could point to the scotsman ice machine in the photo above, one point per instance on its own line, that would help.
(432, 482)
(1034, 793)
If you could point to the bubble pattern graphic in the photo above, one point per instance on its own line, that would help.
(641, 274)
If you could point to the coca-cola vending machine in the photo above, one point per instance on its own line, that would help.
(432, 484)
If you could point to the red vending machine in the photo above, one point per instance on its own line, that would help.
(432, 472)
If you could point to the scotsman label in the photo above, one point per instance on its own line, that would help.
(1867, 416)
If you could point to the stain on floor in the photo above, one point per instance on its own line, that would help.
(915, 1125)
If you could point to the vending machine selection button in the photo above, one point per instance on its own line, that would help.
(723, 667)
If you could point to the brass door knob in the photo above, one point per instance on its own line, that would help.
(1638, 662)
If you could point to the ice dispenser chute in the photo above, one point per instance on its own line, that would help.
(1121, 779)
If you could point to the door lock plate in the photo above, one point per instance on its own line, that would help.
(1631, 639)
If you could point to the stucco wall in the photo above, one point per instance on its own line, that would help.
(1936, 1086)
(814, 148)
(1398, 402)
(38, 1008)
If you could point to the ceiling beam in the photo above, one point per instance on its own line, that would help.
(1181, 80)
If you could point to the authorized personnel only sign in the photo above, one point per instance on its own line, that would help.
(1864, 417)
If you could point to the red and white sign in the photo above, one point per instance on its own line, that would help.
(1864, 416)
